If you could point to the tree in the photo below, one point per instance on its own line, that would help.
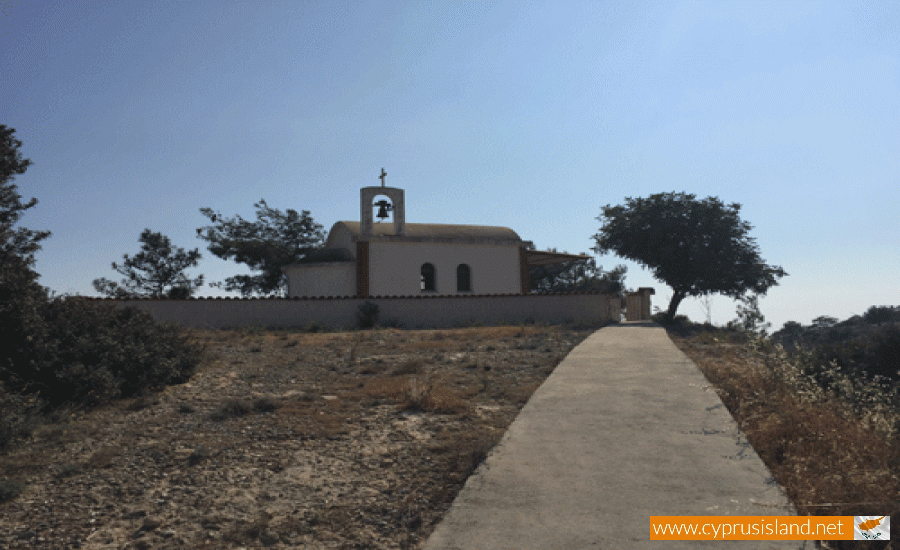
(65, 351)
(697, 247)
(273, 241)
(577, 276)
(877, 315)
(155, 271)
(14, 242)
(22, 299)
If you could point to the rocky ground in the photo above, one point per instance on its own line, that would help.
(283, 440)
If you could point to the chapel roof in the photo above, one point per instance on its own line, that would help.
(437, 231)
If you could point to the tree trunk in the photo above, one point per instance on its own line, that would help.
(677, 297)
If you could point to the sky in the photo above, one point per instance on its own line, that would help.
(529, 115)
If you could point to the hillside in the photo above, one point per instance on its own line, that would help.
(281, 439)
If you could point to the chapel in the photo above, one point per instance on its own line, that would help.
(368, 259)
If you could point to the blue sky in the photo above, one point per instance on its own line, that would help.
(530, 115)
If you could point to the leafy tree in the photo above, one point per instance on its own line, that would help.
(21, 298)
(273, 241)
(697, 247)
(877, 315)
(65, 350)
(577, 276)
(14, 242)
(155, 271)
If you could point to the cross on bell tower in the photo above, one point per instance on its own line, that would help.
(367, 203)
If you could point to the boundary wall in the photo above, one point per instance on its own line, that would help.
(409, 311)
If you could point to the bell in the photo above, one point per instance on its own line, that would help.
(383, 208)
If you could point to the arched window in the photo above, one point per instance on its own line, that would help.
(463, 278)
(428, 277)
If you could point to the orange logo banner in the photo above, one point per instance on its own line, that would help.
(751, 527)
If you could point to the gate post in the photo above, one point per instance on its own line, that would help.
(637, 304)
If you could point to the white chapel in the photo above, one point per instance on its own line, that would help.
(366, 259)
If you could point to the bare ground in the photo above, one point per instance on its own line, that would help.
(283, 440)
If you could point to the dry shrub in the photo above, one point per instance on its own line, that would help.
(830, 440)
(471, 452)
(371, 368)
(415, 393)
(391, 388)
(521, 394)
(426, 395)
(232, 408)
(104, 457)
(409, 367)
(10, 489)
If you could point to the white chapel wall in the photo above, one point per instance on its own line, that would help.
(433, 312)
(322, 279)
(395, 267)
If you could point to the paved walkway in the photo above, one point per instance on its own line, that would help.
(625, 428)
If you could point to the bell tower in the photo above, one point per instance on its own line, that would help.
(366, 204)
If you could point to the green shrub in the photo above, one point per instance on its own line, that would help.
(22, 303)
(88, 352)
(367, 315)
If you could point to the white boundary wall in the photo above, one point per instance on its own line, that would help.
(410, 312)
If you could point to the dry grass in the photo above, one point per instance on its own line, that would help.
(834, 451)
(412, 392)
(387, 423)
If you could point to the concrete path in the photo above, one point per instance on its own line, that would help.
(625, 428)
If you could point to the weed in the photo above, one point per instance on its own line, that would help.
(10, 489)
(351, 357)
(425, 395)
(484, 380)
(70, 470)
(104, 457)
(142, 402)
(199, 455)
(230, 409)
(409, 367)
(471, 453)
(371, 369)
(264, 405)
(315, 326)
(414, 393)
